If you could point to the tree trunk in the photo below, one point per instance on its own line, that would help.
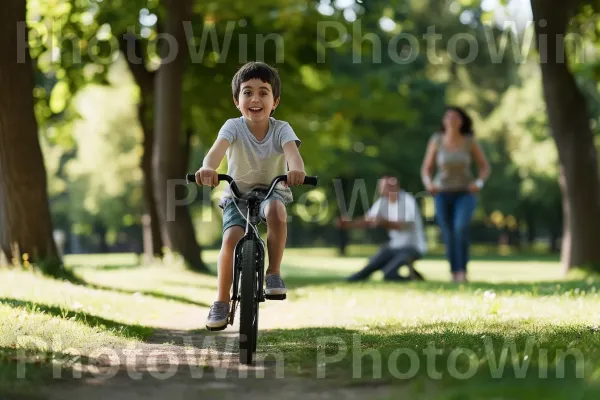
(554, 234)
(156, 243)
(515, 236)
(170, 140)
(25, 221)
(343, 238)
(531, 226)
(99, 230)
(135, 55)
(570, 124)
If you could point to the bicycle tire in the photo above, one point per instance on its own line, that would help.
(248, 303)
(255, 330)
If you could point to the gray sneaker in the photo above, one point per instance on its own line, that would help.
(217, 316)
(274, 285)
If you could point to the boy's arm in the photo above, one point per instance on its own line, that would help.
(215, 154)
(292, 156)
(296, 173)
(207, 175)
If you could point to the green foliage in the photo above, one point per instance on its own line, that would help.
(358, 116)
(102, 179)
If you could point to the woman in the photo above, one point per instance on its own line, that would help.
(454, 188)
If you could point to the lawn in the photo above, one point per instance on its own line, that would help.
(516, 331)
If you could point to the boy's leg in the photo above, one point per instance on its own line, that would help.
(276, 216)
(225, 262)
(233, 231)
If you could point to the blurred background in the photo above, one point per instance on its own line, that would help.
(364, 85)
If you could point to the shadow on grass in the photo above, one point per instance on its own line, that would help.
(115, 267)
(24, 372)
(500, 359)
(503, 258)
(152, 293)
(545, 288)
(17, 381)
(134, 331)
(475, 256)
(76, 280)
(294, 280)
(298, 281)
(192, 285)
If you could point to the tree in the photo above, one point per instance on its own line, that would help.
(25, 222)
(171, 149)
(569, 119)
(525, 184)
(105, 186)
(145, 79)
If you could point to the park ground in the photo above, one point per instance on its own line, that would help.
(518, 330)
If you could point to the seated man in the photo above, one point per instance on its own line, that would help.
(398, 212)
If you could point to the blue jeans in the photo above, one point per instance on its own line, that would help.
(453, 212)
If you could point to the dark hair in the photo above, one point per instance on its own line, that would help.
(467, 123)
(389, 175)
(256, 70)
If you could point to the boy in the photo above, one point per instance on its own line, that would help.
(258, 147)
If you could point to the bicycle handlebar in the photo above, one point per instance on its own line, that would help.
(308, 180)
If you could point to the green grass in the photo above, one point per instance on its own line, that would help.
(367, 333)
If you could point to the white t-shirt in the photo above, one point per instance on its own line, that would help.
(254, 163)
(404, 209)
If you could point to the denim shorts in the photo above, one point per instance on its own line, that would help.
(232, 217)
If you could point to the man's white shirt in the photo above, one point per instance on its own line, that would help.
(404, 209)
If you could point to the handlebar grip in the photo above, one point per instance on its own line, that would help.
(225, 177)
(191, 178)
(311, 180)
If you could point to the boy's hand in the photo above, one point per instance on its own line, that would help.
(295, 177)
(207, 177)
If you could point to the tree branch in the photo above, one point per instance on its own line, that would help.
(136, 60)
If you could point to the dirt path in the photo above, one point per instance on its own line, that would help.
(182, 364)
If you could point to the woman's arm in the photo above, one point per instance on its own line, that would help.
(482, 164)
(428, 163)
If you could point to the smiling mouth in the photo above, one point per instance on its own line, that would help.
(255, 109)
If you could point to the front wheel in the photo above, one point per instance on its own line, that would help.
(248, 302)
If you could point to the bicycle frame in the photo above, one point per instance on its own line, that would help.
(256, 269)
(252, 221)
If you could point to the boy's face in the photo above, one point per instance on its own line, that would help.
(256, 100)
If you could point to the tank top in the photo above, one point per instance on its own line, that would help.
(453, 166)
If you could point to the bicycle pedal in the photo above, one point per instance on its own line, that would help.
(275, 296)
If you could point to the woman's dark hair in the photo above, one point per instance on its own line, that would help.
(467, 123)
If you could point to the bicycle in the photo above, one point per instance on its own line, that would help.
(249, 260)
